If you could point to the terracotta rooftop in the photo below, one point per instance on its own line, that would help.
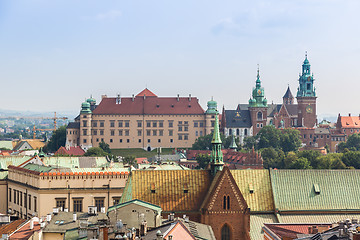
(25, 232)
(349, 121)
(150, 104)
(146, 92)
(11, 227)
(291, 231)
(72, 151)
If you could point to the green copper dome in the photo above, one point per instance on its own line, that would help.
(91, 100)
(85, 107)
(212, 106)
(258, 94)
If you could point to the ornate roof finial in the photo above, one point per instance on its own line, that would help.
(258, 71)
(305, 54)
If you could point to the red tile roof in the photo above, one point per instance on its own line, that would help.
(11, 227)
(291, 230)
(151, 104)
(25, 232)
(350, 121)
(146, 92)
(72, 151)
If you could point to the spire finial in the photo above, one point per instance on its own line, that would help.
(258, 70)
(305, 54)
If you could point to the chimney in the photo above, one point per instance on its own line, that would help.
(66, 210)
(48, 217)
(118, 99)
(189, 97)
(349, 114)
(314, 229)
(171, 216)
(102, 209)
(133, 97)
(31, 224)
(74, 217)
(103, 96)
(178, 97)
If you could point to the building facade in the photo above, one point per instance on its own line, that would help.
(143, 121)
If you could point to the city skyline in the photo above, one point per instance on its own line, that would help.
(56, 54)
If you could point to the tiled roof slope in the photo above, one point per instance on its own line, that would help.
(169, 188)
(261, 200)
(146, 92)
(257, 222)
(316, 218)
(295, 189)
(72, 151)
(349, 121)
(11, 227)
(150, 105)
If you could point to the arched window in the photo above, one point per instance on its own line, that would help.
(230, 131)
(228, 202)
(259, 116)
(237, 132)
(245, 132)
(224, 203)
(225, 232)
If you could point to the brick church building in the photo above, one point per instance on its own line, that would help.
(248, 119)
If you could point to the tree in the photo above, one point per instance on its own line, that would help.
(352, 143)
(331, 161)
(203, 160)
(204, 142)
(269, 136)
(129, 160)
(57, 140)
(95, 152)
(272, 158)
(351, 159)
(290, 140)
(104, 146)
(311, 156)
(289, 160)
(250, 142)
(301, 163)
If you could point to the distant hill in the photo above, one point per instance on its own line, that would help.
(14, 113)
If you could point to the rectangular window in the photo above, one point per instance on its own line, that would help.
(127, 140)
(186, 123)
(161, 124)
(186, 128)
(60, 203)
(120, 132)
(154, 124)
(35, 204)
(120, 123)
(159, 140)
(180, 137)
(111, 140)
(101, 132)
(161, 132)
(14, 196)
(127, 132)
(201, 124)
(212, 123)
(180, 128)
(201, 133)
(148, 132)
(171, 140)
(94, 132)
(179, 122)
(112, 123)
(94, 123)
(84, 132)
(139, 140)
(112, 132)
(171, 124)
(148, 124)
(84, 123)
(116, 200)
(154, 132)
(10, 193)
(84, 141)
(101, 123)
(120, 140)
(148, 140)
(21, 198)
(77, 205)
(196, 124)
(139, 124)
(99, 203)
(171, 132)
(196, 133)
(186, 137)
(127, 124)
(139, 132)
(29, 197)
(25, 200)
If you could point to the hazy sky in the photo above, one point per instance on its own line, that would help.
(55, 53)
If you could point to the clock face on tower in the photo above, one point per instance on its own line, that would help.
(309, 109)
(309, 78)
(259, 91)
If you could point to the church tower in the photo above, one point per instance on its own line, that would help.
(258, 106)
(288, 98)
(216, 162)
(306, 97)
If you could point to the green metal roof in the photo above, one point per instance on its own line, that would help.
(320, 190)
(99, 170)
(73, 162)
(3, 175)
(6, 144)
(127, 194)
(5, 161)
(38, 168)
(257, 222)
(316, 218)
(138, 202)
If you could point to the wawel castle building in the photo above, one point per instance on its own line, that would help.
(142, 121)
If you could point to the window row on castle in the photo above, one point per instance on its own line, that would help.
(186, 137)
(139, 132)
(74, 132)
(238, 132)
(99, 202)
(22, 199)
(149, 123)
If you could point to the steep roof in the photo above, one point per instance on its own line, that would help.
(257, 222)
(237, 118)
(146, 92)
(255, 186)
(33, 143)
(75, 125)
(24, 232)
(6, 144)
(72, 151)
(149, 104)
(350, 121)
(288, 93)
(291, 231)
(138, 202)
(11, 227)
(166, 188)
(319, 190)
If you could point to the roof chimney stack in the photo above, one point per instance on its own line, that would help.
(103, 96)
(118, 99)
(133, 97)
(178, 97)
(74, 217)
(189, 97)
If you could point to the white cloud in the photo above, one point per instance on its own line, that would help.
(112, 14)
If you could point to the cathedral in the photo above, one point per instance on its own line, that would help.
(248, 119)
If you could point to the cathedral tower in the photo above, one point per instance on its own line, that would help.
(216, 162)
(306, 97)
(258, 106)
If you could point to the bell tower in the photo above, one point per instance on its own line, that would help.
(258, 106)
(306, 97)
